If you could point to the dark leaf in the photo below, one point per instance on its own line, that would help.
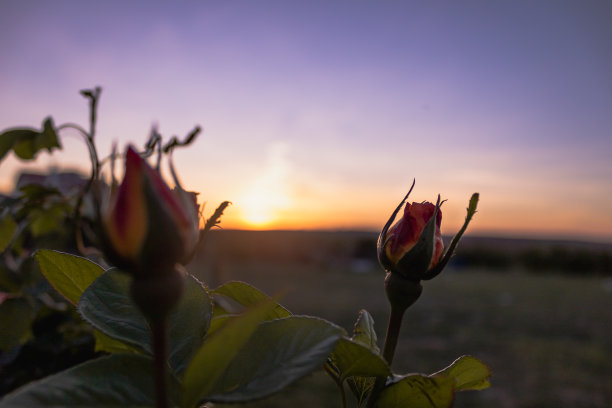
(115, 381)
(279, 353)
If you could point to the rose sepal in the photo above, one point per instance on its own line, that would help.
(383, 259)
(471, 210)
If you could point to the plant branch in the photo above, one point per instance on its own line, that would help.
(93, 97)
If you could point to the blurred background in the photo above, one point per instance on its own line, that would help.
(318, 115)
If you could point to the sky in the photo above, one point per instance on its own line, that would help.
(319, 114)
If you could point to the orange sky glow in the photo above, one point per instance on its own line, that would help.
(318, 115)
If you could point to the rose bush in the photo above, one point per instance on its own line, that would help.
(171, 341)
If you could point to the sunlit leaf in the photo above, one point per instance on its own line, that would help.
(352, 358)
(218, 351)
(418, 391)
(247, 295)
(69, 274)
(468, 372)
(364, 332)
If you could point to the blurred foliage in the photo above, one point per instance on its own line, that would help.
(42, 333)
(27, 142)
(45, 335)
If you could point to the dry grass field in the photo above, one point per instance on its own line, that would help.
(546, 337)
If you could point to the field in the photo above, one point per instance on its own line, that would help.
(546, 337)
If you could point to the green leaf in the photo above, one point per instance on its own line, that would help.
(109, 345)
(247, 295)
(16, 316)
(217, 352)
(27, 142)
(219, 321)
(69, 274)
(9, 137)
(219, 310)
(417, 391)
(468, 372)
(352, 358)
(364, 332)
(189, 323)
(279, 353)
(356, 364)
(361, 388)
(45, 221)
(107, 306)
(8, 226)
(115, 381)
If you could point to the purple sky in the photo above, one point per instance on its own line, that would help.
(320, 113)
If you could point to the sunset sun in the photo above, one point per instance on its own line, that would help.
(258, 209)
(268, 194)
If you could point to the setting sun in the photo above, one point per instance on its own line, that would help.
(258, 209)
(268, 193)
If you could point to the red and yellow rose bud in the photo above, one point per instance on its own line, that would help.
(414, 244)
(407, 247)
(148, 227)
(413, 247)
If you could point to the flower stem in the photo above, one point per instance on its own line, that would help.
(159, 329)
(393, 330)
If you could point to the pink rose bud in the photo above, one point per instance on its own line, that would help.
(414, 244)
(148, 227)
(405, 234)
(413, 247)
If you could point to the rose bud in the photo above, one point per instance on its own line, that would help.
(413, 247)
(409, 247)
(148, 228)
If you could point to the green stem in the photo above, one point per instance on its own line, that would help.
(393, 330)
(159, 329)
